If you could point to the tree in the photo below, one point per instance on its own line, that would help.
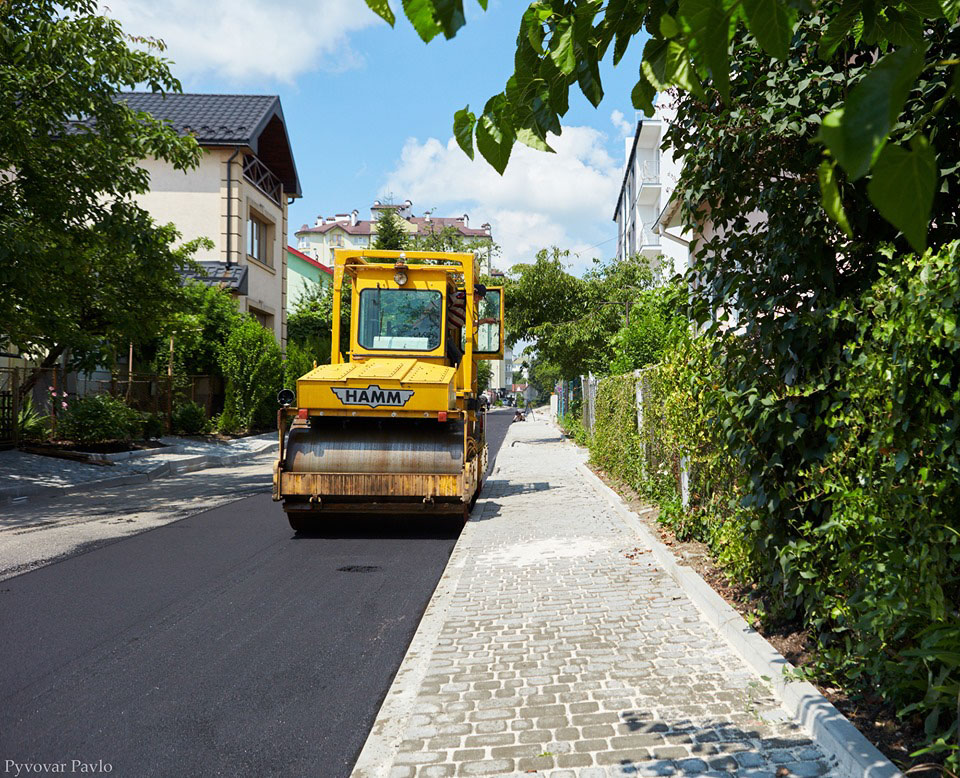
(573, 321)
(310, 325)
(81, 264)
(449, 239)
(205, 320)
(484, 374)
(391, 236)
(445, 239)
(657, 319)
(561, 43)
(543, 377)
(251, 363)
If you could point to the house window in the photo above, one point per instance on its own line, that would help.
(263, 318)
(260, 239)
(337, 239)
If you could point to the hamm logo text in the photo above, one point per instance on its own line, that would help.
(373, 396)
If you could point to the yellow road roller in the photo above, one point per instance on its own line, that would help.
(395, 425)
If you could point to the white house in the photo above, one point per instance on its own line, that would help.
(237, 197)
(645, 213)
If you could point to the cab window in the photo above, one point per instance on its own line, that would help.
(400, 319)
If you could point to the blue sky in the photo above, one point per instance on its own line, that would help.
(369, 110)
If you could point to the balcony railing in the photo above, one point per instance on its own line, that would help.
(261, 177)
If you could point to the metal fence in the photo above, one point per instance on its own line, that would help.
(657, 458)
(47, 392)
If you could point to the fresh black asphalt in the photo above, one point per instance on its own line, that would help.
(221, 644)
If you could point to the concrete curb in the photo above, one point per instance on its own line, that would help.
(856, 756)
(267, 438)
(10, 494)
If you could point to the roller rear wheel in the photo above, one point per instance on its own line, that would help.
(300, 523)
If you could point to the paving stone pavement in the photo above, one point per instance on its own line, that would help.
(18, 468)
(560, 656)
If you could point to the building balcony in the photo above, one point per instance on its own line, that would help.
(263, 178)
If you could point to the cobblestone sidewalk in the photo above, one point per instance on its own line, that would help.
(563, 651)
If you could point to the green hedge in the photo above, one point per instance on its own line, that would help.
(861, 544)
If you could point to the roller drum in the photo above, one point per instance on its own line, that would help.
(388, 448)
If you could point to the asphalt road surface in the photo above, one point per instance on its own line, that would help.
(220, 644)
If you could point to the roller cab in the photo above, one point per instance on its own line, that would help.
(394, 425)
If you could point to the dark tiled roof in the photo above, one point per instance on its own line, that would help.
(213, 119)
(255, 121)
(232, 277)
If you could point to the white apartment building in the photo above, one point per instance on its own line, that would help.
(645, 214)
(349, 231)
(501, 376)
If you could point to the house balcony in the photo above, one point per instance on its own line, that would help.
(263, 178)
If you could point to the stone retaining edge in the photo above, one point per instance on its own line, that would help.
(189, 465)
(856, 756)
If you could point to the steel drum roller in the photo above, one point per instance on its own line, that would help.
(355, 448)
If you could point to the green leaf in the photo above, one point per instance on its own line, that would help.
(951, 9)
(771, 22)
(494, 136)
(830, 196)
(902, 28)
(382, 9)
(421, 16)
(653, 64)
(588, 76)
(561, 46)
(668, 26)
(680, 70)
(707, 21)
(855, 134)
(449, 15)
(483, 4)
(902, 188)
(463, 123)
(642, 96)
(929, 9)
(838, 28)
(533, 139)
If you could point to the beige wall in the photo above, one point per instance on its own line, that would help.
(197, 201)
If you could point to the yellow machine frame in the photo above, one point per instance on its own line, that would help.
(432, 389)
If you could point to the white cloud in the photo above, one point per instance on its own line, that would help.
(564, 199)
(622, 125)
(247, 39)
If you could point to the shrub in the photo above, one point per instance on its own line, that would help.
(153, 426)
(32, 424)
(99, 417)
(298, 363)
(189, 419)
(573, 426)
(252, 364)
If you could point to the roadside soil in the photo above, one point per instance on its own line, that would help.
(867, 712)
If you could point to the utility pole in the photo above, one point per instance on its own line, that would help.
(170, 389)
